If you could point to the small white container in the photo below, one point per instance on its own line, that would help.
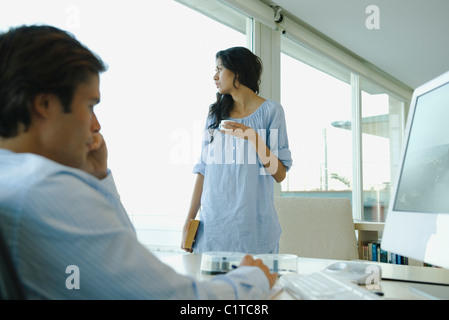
(224, 122)
(220, 262)
(280, 263)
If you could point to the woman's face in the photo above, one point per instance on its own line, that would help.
(224, 78)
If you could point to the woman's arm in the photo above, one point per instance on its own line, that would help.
(274, 166)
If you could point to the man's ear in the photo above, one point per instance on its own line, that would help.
(43, 104)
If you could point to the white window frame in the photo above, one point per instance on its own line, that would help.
(265, 41)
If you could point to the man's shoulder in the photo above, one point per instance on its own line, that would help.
(33, 184)
(31, 169)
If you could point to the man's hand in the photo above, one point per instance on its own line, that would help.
(249, 261)
(97, 158)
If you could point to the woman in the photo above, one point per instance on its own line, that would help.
(240, 162)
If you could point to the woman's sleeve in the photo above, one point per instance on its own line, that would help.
(200, 166)
(278, 139)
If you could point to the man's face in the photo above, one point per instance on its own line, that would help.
(69, 136)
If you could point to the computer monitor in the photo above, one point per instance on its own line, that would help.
(417, 224)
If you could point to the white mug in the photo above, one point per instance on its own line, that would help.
(224, 122)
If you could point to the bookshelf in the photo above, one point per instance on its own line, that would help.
(366, 232)
(372, 232)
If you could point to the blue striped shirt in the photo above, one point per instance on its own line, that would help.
(237, 208)
(55, 217)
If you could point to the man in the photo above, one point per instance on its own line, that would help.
(59, 208)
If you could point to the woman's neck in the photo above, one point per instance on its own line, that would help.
(245, 103)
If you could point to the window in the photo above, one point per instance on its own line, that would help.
(382, 127)
(163, 113)
(315, 103)
(155, 95)
(316, 96)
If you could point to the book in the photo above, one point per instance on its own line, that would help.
(191, 233)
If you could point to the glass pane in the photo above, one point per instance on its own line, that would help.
(155, 95)
(382, 127)
(317, 106)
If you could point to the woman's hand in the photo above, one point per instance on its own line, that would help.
(239, 130)
(271, 163)
(185, 231)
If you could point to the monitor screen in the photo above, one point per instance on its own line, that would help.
(423, 185)
(417, 224)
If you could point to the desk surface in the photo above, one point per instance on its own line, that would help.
(190, 264)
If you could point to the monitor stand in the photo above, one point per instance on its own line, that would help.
(431, 291)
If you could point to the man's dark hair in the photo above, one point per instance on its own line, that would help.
(39, 59)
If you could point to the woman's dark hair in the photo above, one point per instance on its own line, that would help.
(247, 69)
(39, 59)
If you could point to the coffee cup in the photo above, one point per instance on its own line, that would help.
(224, 122)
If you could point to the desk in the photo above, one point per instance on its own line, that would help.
(190, 264)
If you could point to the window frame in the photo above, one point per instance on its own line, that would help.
(266, 41)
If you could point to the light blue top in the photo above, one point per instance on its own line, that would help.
(54, 217)
(237, 210)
